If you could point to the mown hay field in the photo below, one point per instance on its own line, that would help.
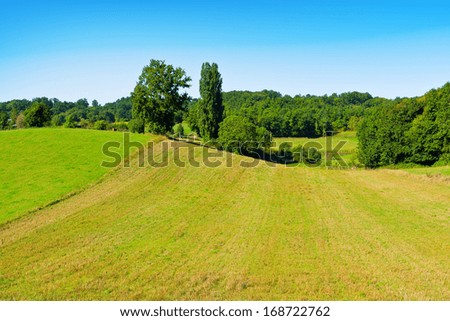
(235, 233)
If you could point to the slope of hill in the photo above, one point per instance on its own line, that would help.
(41, 165)
(263, 233)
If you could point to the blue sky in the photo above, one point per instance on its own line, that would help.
(96, 49)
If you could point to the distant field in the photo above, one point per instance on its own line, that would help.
(347, 152)
(349, 138)
(38, 166)
(237, 233)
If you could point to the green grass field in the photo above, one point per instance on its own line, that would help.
(348, 151)
(235, 233)
(39, 166)
(430, 171)
(349, 138)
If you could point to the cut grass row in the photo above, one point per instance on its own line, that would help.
(262, 233)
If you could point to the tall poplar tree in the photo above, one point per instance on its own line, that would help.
(210, 105)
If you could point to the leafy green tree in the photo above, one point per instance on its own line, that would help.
(13, 116)
(193, 116)
(38, 115)
(156, 97)
(108, 116)
(353, 122)
(429, 135)
(71, 122)
(210, 105)
(239, 134)
(58, 120)
(82, 103)
(3, 119)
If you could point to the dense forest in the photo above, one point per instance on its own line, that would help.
(410, 130)
(402, 130)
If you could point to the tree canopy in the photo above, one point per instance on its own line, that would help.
(37, 115)
(156, 97)
(410, 130)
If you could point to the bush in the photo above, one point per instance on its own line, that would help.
(101, 125)
(179, 130)
(136, 126)
(119, 126)
(84, 123)
(20, 121)
(70, 122)
(284, 153)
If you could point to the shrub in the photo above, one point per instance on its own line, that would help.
(136, 126)
(70, 122)
(101, 125)
(179, 130)
(119, 126)
(84, 123)
(20, 121)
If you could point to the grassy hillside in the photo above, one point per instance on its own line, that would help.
(237, 233)
(41, 165)
(430, 171)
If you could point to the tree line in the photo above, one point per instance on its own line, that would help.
(390, 131)
(44, 112)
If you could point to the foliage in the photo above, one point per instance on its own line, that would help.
(38, 115)
(179, 130)
(70, 122)
(300, 116)
(136, 125)
(58, 120)
(412, 130)
(3, 119)
(119, 126)
(156, 97)
(210, 107)
(20, 121)
(239, 134)
(101, 125)
(193, 115)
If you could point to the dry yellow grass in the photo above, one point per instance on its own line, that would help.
(262, 233)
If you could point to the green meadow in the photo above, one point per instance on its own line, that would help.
(39, 166)
(346, 142)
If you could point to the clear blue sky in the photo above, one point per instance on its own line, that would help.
(96, 49)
